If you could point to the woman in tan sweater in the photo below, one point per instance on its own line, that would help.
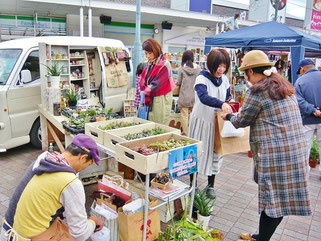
(187, 74)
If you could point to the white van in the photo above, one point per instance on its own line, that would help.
(20, 92)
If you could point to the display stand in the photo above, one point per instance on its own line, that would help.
(147, 208)
(49, 120)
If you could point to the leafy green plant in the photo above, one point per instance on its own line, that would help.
(186, 229)
(72, 94)
(54, 70)
(203, 203)
(314, 152)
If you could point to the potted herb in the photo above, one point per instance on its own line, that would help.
(186, 229)
(204, 205)
(314, 154)
(72, 96)
(54, 74)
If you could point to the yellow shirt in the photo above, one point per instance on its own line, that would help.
(40, 201)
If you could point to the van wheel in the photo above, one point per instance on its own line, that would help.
(35, 134)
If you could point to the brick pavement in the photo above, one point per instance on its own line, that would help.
(236, 206)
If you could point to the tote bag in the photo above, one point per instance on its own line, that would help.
(142, 109)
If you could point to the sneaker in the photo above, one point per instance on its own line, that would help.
(211, 193)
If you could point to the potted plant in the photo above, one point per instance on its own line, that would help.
(204, 206)
(54, 74)
(314, 154)
(72, 96)
(186, 229)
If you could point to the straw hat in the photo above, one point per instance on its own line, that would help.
(254, 59)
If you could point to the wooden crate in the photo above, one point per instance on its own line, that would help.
(93, 130)
(151, 163)
(112, 137)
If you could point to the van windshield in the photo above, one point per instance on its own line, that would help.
(8, 59)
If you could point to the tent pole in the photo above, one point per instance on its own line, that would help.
(276, 10)
(297, 54)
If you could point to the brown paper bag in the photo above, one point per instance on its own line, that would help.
(229, 145)
(112, 75)
(131, 226)
(122, 74)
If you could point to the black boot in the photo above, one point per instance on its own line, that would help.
(210, 191)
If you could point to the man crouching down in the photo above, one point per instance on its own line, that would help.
(50, 191)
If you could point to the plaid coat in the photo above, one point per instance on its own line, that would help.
(279, 152)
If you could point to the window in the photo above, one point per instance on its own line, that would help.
(32, 64)
(8, 59)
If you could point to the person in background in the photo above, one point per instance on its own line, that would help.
(212, 89)
(50, 191)
(279, 65)
(187, 74)
(289, 71)
(277, 144)
(232, 23)
(139, 71)
(157, 82)
(308, 93)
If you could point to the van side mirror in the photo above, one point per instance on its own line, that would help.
(25, 76)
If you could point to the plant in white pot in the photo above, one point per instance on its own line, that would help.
(72, 95)
(204, 206)
(54, 74)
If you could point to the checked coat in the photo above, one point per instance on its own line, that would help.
(279, 153)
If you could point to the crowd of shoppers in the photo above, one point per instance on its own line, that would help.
(272, 107)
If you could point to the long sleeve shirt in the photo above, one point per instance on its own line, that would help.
(202, 94)
(307, 89)
(73, 200)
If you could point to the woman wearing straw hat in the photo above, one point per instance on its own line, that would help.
(277, 143)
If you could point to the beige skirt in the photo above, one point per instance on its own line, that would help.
(161, 108)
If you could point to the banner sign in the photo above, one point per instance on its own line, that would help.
(183, 161)
(316, 15)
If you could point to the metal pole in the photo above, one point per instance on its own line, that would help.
(276, 10)
(146, 205)
(81, 21)
(90, 22)
(35, 24)
(137, 45)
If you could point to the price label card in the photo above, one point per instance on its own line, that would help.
(183, 161)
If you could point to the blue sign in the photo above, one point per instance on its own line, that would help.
(203, 6)
(182, 161)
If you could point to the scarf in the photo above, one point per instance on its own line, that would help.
(216, 81)
(156, 79)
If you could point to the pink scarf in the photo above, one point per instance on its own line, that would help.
(157, 80)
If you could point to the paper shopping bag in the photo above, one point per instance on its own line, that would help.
(131, 226)
(122, 74)
(229, 145)
(112, 75)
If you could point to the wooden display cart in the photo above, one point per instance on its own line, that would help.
(49, 122)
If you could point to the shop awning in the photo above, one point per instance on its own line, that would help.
(268, 36)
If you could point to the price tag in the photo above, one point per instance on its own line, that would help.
(182, 161)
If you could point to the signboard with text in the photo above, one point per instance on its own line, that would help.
(316, 15)
(182, 161)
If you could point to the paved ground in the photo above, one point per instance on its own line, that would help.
(236, 205)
